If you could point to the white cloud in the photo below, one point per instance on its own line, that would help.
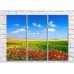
(21, 30)
(17, 24)
(44, 30)
(14, 32)
(18, 30)
(39, 25)
(36, 25)
(51, 24)
(34, 33)
(37, 33)
(51, 30)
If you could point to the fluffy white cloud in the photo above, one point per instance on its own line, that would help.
(39, 25)
(44, 30)
(17, 24)
(51, 30)
(21, 30)
(36, 25)
(14, 32)
(37, 33)
(34, 33)
(18, 30)
(51, 24)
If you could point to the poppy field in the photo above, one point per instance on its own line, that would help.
(58, 50)
(37, 50)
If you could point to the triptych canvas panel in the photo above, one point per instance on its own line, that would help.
(37, 37)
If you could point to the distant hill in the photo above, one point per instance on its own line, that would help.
(14, 40)
(19, 40)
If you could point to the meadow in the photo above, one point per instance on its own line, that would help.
(37, 50)
(58, 45)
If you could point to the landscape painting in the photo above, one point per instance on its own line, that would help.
(37, 37)
(58, 37)
(16, 37)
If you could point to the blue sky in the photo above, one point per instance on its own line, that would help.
(37, 24)
(16, 26)
(58, 27)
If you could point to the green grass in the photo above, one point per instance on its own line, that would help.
(61, 45)
(21, 44)
(37, 45)
(56, 45)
